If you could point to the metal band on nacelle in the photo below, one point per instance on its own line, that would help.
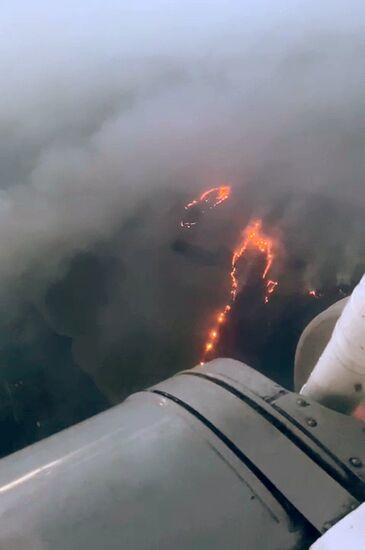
(215, 457)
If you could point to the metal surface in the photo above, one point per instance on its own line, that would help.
(144, 475)
(341, 435)
(240, 375)
(294, 415)
(293, 474)
(217, 457)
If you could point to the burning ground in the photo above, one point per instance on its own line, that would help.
(263, 319)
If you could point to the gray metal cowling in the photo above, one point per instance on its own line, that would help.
(215, 457)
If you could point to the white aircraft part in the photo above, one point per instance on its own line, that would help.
(338, 379)
(313, 340)
(347, 534)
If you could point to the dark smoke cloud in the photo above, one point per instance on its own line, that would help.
(104, 138)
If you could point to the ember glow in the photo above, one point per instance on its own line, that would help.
(208, 200)
(313, 293)
(270, 288)
(253, 239)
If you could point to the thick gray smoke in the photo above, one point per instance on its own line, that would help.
(112, 120)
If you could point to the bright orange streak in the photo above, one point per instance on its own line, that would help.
(221, 194)
(253, 238)
(209, 199)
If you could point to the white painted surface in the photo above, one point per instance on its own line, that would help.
(313, 340)
(340, 371)
(347, 534)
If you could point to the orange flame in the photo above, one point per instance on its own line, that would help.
(209, 199)
(253, 238)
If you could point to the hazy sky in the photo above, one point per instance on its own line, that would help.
(103, 102)
(156, 26)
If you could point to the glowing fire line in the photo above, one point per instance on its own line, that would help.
(209, 199)
(253, 238)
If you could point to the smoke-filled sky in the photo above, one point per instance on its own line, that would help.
(115, 114)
